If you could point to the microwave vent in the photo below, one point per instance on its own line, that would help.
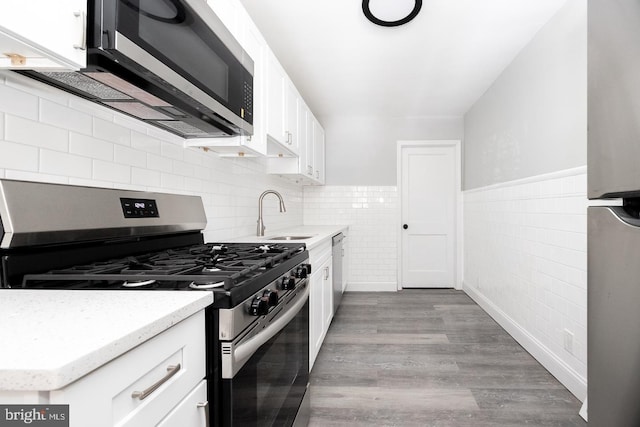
(86, 84)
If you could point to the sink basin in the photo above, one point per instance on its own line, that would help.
(288, 238)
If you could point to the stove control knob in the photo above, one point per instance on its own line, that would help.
(302, 271)
(288, 283)
(271, 296)
(259, 306)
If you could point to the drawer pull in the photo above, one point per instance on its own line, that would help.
(205, 406)
(171, 371)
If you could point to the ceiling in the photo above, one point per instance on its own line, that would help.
(439, 64)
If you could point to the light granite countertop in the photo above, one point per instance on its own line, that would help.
(317, 234)
(51, 338)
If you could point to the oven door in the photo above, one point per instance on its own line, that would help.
(265, 372)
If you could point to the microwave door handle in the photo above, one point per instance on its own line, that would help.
(244, 350)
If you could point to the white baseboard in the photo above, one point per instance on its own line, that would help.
(573, 381)
(372, 287)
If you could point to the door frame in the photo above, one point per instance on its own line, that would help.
(458, 256)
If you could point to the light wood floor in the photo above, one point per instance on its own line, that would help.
(429, 358)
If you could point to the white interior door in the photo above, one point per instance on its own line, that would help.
(429, 175)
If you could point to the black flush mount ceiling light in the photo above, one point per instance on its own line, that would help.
(391, 13)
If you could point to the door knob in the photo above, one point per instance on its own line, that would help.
(405, 226)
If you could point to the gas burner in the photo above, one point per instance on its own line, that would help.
(140, 284)
(210, 285)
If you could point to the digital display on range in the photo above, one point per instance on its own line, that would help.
(139, 208)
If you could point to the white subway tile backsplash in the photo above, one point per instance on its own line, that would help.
(89, 146)
(64, 117)
(158, 163)
(172, 151)
(36, 176)
(143, 142)
(112, 132)
(145, 177)
(18, 156)
(172, 181)
(372, 214)
(34, 133)
(80, 143)
(18, 103)
(128, 156)
(111, 172)
(182, 168)
(57, 163)
(91, 108)
(525, 250)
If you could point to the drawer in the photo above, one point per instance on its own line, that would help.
(191, 412)
(174, 361)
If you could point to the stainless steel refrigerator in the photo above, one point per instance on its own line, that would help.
(614, 231)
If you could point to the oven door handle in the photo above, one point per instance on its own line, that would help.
(234, 356)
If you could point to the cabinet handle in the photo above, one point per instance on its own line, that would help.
(326, 273)
(171, 371)
(82, 16)
(205, 406)
(318, 174)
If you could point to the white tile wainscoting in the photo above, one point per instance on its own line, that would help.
(372, 213)
(525, 263)
(49, 135)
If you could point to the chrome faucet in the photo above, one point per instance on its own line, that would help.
(261, 226)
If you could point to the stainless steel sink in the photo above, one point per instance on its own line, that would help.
(288, 238)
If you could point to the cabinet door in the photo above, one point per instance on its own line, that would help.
(47, 34)
(291, 117)
(192, 411)
(316, 321)
(345, 263)
(275, 100)
(256, 46)
(309, 169)
(174, 361)
(327, 294)
(318, 152)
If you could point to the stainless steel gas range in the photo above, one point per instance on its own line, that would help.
(257, 330)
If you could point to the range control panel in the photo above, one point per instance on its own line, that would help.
(139, 208)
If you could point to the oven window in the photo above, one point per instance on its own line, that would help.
(269, 388)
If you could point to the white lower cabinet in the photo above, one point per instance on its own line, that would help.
(192, 411)
(159, 381)
(320, 298)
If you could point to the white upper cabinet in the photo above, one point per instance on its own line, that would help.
(318, 152)
(43, 34)
(285, 130)
(281, 122)
(240, 25)
(308, 167)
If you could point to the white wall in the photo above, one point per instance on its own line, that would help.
(533, 119)
(525, 204)
(362, 150)
(49, 135)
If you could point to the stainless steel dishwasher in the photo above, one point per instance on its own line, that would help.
(337, 255)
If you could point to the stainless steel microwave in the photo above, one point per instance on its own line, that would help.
(170, 63)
